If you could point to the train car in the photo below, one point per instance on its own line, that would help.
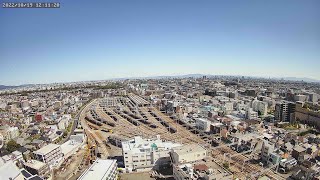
(172, 130)
(111, 124)
(153, 126)
(144, 122)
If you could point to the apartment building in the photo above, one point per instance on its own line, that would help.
(203, 124)
(284, 111)
(260, 106)
(141, 153)
(251, 114)
(50, 154)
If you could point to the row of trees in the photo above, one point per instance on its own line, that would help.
(12, 146)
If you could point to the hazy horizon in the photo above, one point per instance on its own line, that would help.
(178, 76)
(96, 40)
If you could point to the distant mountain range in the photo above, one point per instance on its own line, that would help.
(7, 87)
(194, 76)
(236, 76)
(299, 79)
(11, 87)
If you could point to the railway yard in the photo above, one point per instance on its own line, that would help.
(110, 120)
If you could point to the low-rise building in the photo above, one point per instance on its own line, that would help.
(37, 168)
(201, 170)
(203, 124)
(188, 153)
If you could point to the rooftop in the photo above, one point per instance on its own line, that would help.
(46, 149)
(98, 170)
(138, 145)
(34, 164)
(69, 146)
(9, 170)
(186, 149)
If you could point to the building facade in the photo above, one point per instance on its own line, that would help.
(203, 124)
(141, 153)
(101, 169)
(50, 154)
(284, 111)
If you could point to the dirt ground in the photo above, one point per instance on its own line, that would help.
(136, 176)
(71, 166)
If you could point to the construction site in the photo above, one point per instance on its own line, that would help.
(109, 121)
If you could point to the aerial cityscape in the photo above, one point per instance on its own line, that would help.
(160, 90)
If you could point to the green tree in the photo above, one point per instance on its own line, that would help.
(226, 165)
(12, 146)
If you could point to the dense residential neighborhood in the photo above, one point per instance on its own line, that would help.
(211, 127)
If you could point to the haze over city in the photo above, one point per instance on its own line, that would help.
(111, 39)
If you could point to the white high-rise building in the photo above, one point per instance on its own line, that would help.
(251, 114)
(260, 106)
(141, 153)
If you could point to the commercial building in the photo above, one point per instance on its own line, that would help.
(141, 153)
(50, 154)
(284, 111)
(101, 170)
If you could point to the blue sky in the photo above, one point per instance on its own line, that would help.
(101, 39)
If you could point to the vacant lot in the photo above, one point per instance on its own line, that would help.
(136, 176)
